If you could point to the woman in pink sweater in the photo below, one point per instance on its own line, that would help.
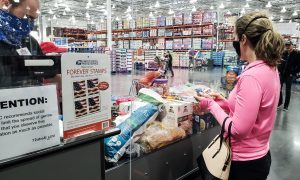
(252, 105)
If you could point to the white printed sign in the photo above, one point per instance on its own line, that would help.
(86, 81)
(28, 120)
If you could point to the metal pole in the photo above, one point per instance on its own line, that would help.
(109, 29)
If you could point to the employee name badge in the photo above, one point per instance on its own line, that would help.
(24, 52)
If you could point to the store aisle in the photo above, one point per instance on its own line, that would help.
(285, 140)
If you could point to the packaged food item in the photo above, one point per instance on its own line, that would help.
(161, 86)
(158, 135)
(115, 146)
(177, 112)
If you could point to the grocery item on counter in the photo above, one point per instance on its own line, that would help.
(161, 87)
(157, 136)
(179, 114)
(150, 96)
(203, 122)
(115, 146)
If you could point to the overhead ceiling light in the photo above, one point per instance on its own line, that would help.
(171, 11)
(16, 1)
(222, 6)
(290, 21)
(38, 11)
(117, 19)
(128, 9)
(151, 14)
(155, 12)
(269, 5)
(193, 1)
(102, 20)
(50, 11)
(243, 11)
(272, 17)
(283, 10)
(247, 5)
(281, 19)
(56, 5)
(295, 13)
(90, 4)
(211, 7)
(54, 17)
(64, 13)
(67, 9)
(87, 15)
(194, 9)
(92, 22)
(49, 19)
(157, 5)
(113, 6)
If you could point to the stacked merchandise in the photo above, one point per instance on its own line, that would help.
(153, 22)
(208, 30)
(184, 60)
(126, 24)
(169, 44)
(168, 32)
(126, 44)
(169, 21)
(161, 43)
(197, 17)
(121, 60)
(114, 25)
(135, 44)
(218, 57)
(153, 33)
(187, 43)
(149, 58)
(120, 24)
(177, 43)
(130, 57)
(188, 18)
(139, 34)
(230, 58)
(161, 21)
(187, 32)
(177, 32)
(161, 32)
(207, 44)
(132, 24)
(139, 22)
(146, 34)
(178, 19)
(197, 31)
(176, 57)
(121, 44)
(146, 22)
(209, 17)
(197, 43)
(113, 57)
(132, 34)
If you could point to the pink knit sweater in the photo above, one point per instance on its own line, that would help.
(252, 107)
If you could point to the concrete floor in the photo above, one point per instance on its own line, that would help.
(285, 140)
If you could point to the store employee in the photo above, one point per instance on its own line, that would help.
(15, 29)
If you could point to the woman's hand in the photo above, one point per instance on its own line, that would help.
(216, 96)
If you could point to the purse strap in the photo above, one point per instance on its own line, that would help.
(226, 164)
(221, 136)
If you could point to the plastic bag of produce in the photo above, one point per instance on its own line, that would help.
(115, 146)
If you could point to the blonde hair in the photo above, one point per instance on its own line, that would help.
(267, 44)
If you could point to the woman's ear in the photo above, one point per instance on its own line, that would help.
(244, 39)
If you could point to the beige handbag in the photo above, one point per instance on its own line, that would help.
(215, 161)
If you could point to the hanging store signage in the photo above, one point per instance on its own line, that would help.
(86, 87)
(28, 120)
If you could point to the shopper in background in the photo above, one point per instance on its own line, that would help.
(15, 29)
(169, 66)
(288, 69)
(252, 104)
